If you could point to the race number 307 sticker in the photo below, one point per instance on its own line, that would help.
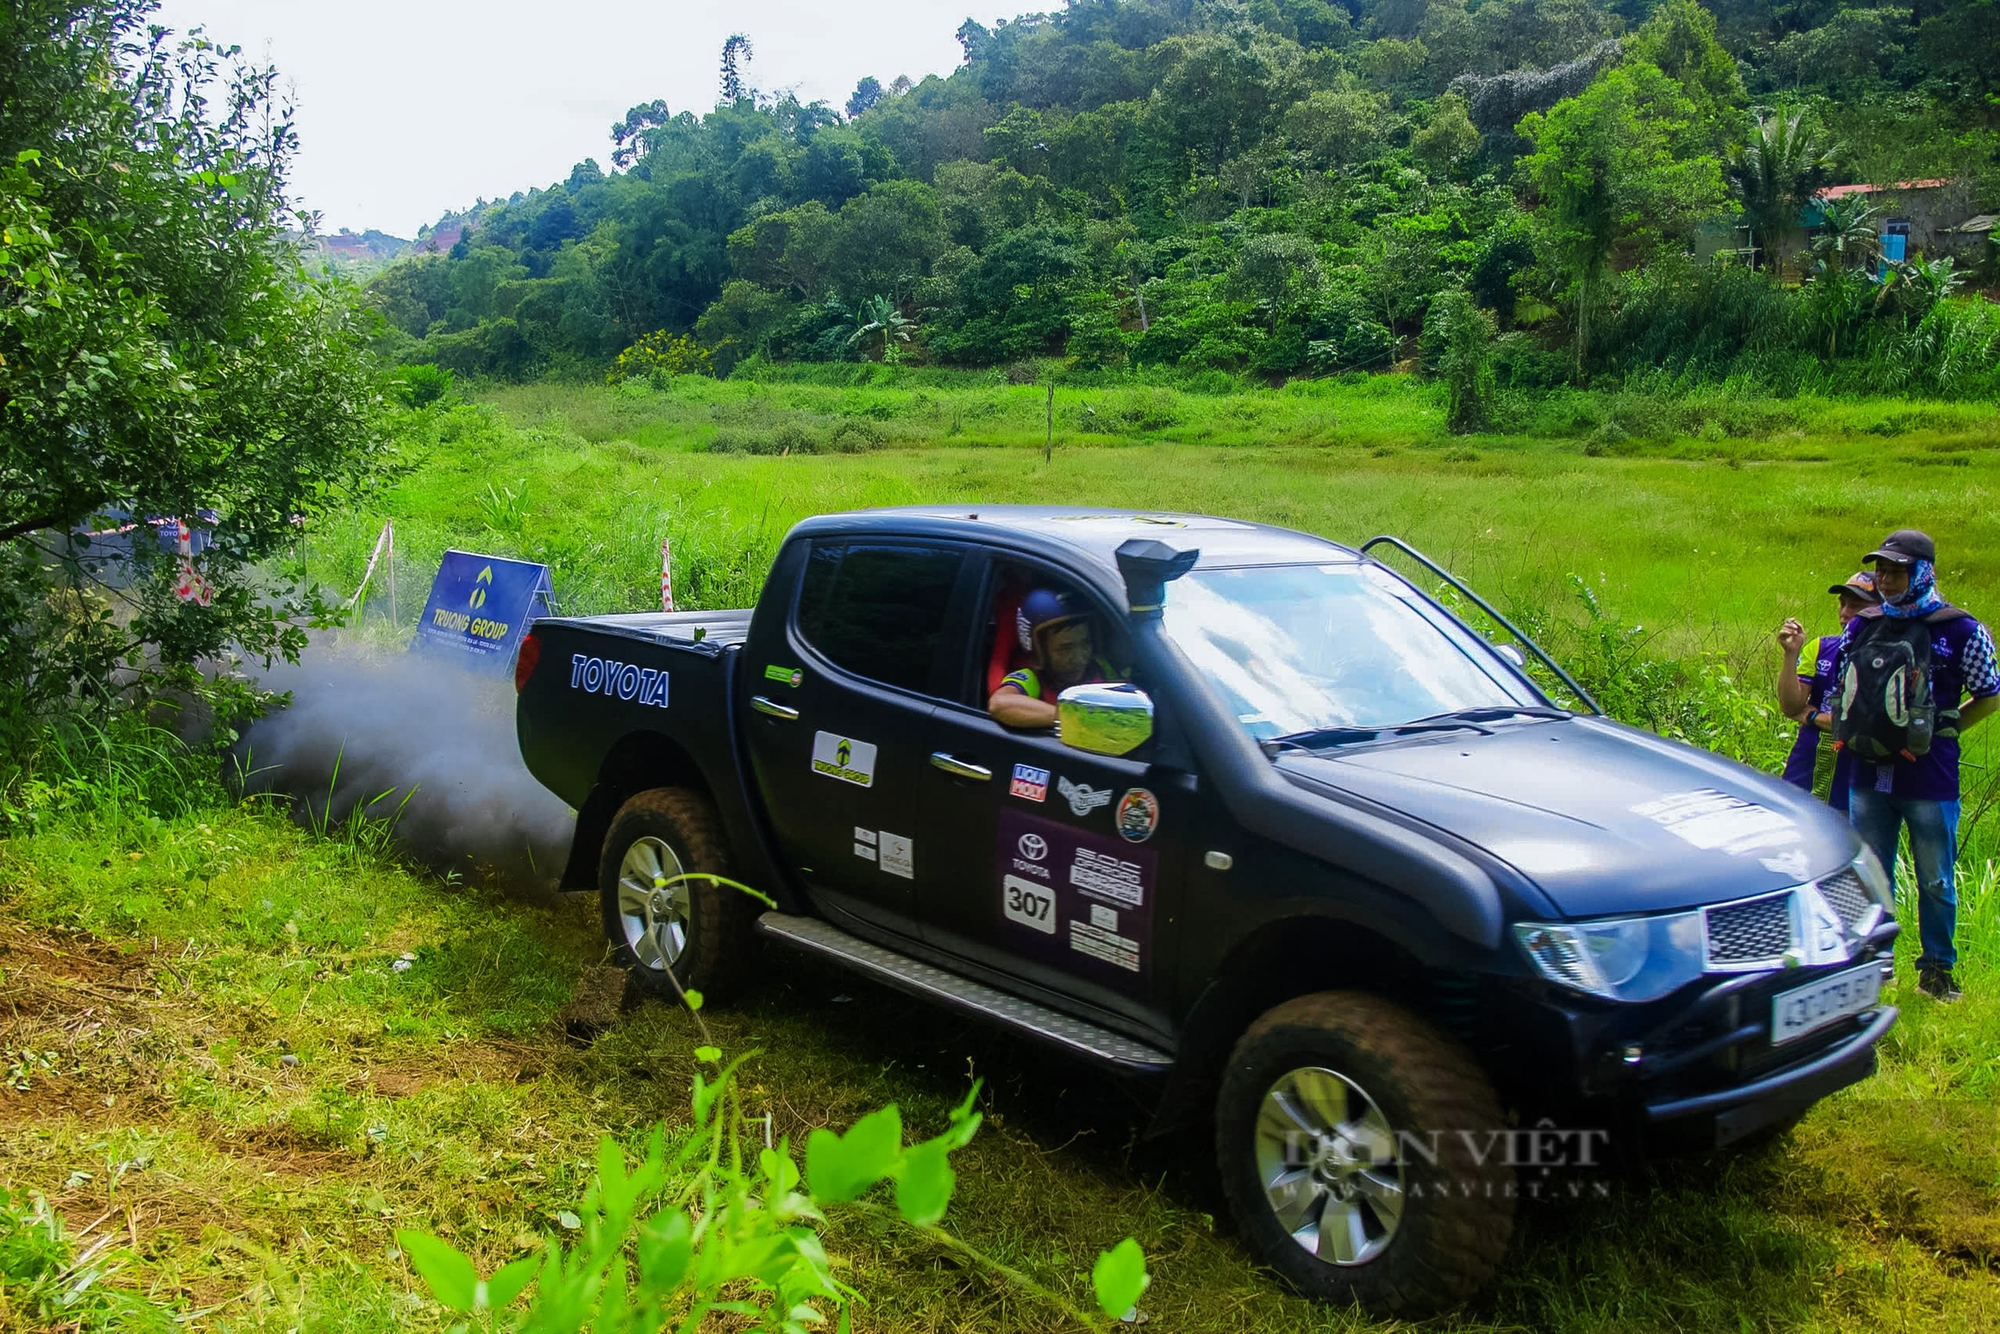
(1030, 904)
(844, 758)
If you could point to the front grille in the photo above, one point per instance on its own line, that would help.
(1750, 932)
(1845, 893)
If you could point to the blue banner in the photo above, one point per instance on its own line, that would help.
(480, 607)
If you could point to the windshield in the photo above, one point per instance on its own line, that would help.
(1297, 648)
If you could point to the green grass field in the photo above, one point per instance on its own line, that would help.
(1709, 520)
(157, 974)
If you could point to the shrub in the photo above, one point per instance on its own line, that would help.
(1342, 337)
(660, 355)
(422, 385)
(1458, 347)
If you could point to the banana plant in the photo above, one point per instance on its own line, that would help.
(879, 318)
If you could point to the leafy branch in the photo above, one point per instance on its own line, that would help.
(721, 1224)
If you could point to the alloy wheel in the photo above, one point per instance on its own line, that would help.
(653, 903)
(1326, 1159)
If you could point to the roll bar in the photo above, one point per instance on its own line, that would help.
(1486, 607)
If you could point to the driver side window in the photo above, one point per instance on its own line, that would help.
(1039, 622)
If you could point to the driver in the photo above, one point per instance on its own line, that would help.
(1055, 629)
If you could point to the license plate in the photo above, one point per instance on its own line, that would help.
(1803, 1010)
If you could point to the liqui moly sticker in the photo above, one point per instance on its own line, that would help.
(1030, 783)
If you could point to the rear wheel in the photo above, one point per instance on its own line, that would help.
(658, 923)
(1337, 1137)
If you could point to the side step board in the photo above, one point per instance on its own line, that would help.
(906, 974)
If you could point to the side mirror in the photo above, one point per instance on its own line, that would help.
(1104, 719)
(1512, 653)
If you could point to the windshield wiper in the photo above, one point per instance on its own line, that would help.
(1456, 720)
(1314, 738)
(1491, 713)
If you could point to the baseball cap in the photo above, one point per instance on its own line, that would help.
(1905, 546)
(1860, 584)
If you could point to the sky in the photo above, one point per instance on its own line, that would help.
(410, 108)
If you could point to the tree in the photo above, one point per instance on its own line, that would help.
(1337, 128)
(792, 249)
(1449, 140)
(878, 320)
(735, 52)
(1846, 236)
(163, 355)
(866, 94)
(1619, 167)
(1457, 345)
(1680, 38)
(740, 322)
(633, 137)
(1782, 163)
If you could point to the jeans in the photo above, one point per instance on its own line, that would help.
(1879, 817)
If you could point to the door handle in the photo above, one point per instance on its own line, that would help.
(770, 708)
(958, 768)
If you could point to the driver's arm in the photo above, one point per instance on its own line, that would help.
(1017, 703)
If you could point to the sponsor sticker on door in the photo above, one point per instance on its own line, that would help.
(1138, 815)
(899, 855)
(1085, 899)
(1028, 903)
(1082, 797)
(843, 758)
(1030, 783)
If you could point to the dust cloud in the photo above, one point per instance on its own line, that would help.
(368, 728)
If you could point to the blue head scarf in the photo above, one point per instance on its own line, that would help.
(1921, 598)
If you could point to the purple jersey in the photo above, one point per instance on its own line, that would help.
(1962, 664)
(1805, 750)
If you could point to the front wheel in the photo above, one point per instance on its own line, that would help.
(673, 933)
(1338, 1137)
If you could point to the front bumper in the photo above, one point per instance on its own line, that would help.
(1727, 1115)
(1695, 1071)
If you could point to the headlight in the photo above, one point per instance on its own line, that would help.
(1869, 867)
(1625, 958)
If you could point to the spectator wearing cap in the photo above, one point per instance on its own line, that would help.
(1816, 764)
(1921, 793)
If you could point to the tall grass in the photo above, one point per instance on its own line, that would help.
(123, 776)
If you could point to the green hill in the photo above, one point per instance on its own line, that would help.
(1281, 187)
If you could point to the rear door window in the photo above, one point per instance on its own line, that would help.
(878, 610)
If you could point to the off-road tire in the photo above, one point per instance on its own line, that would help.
(1457, 1214)
(721, 930)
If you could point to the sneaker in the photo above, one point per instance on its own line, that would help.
(1937, 984)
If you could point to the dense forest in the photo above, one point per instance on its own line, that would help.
(1560, 190)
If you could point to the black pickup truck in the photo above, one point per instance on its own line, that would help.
(1328, 868)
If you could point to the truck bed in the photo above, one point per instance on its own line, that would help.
(726, 628)
(594, 744)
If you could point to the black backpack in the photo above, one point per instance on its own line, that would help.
(1883, 705)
